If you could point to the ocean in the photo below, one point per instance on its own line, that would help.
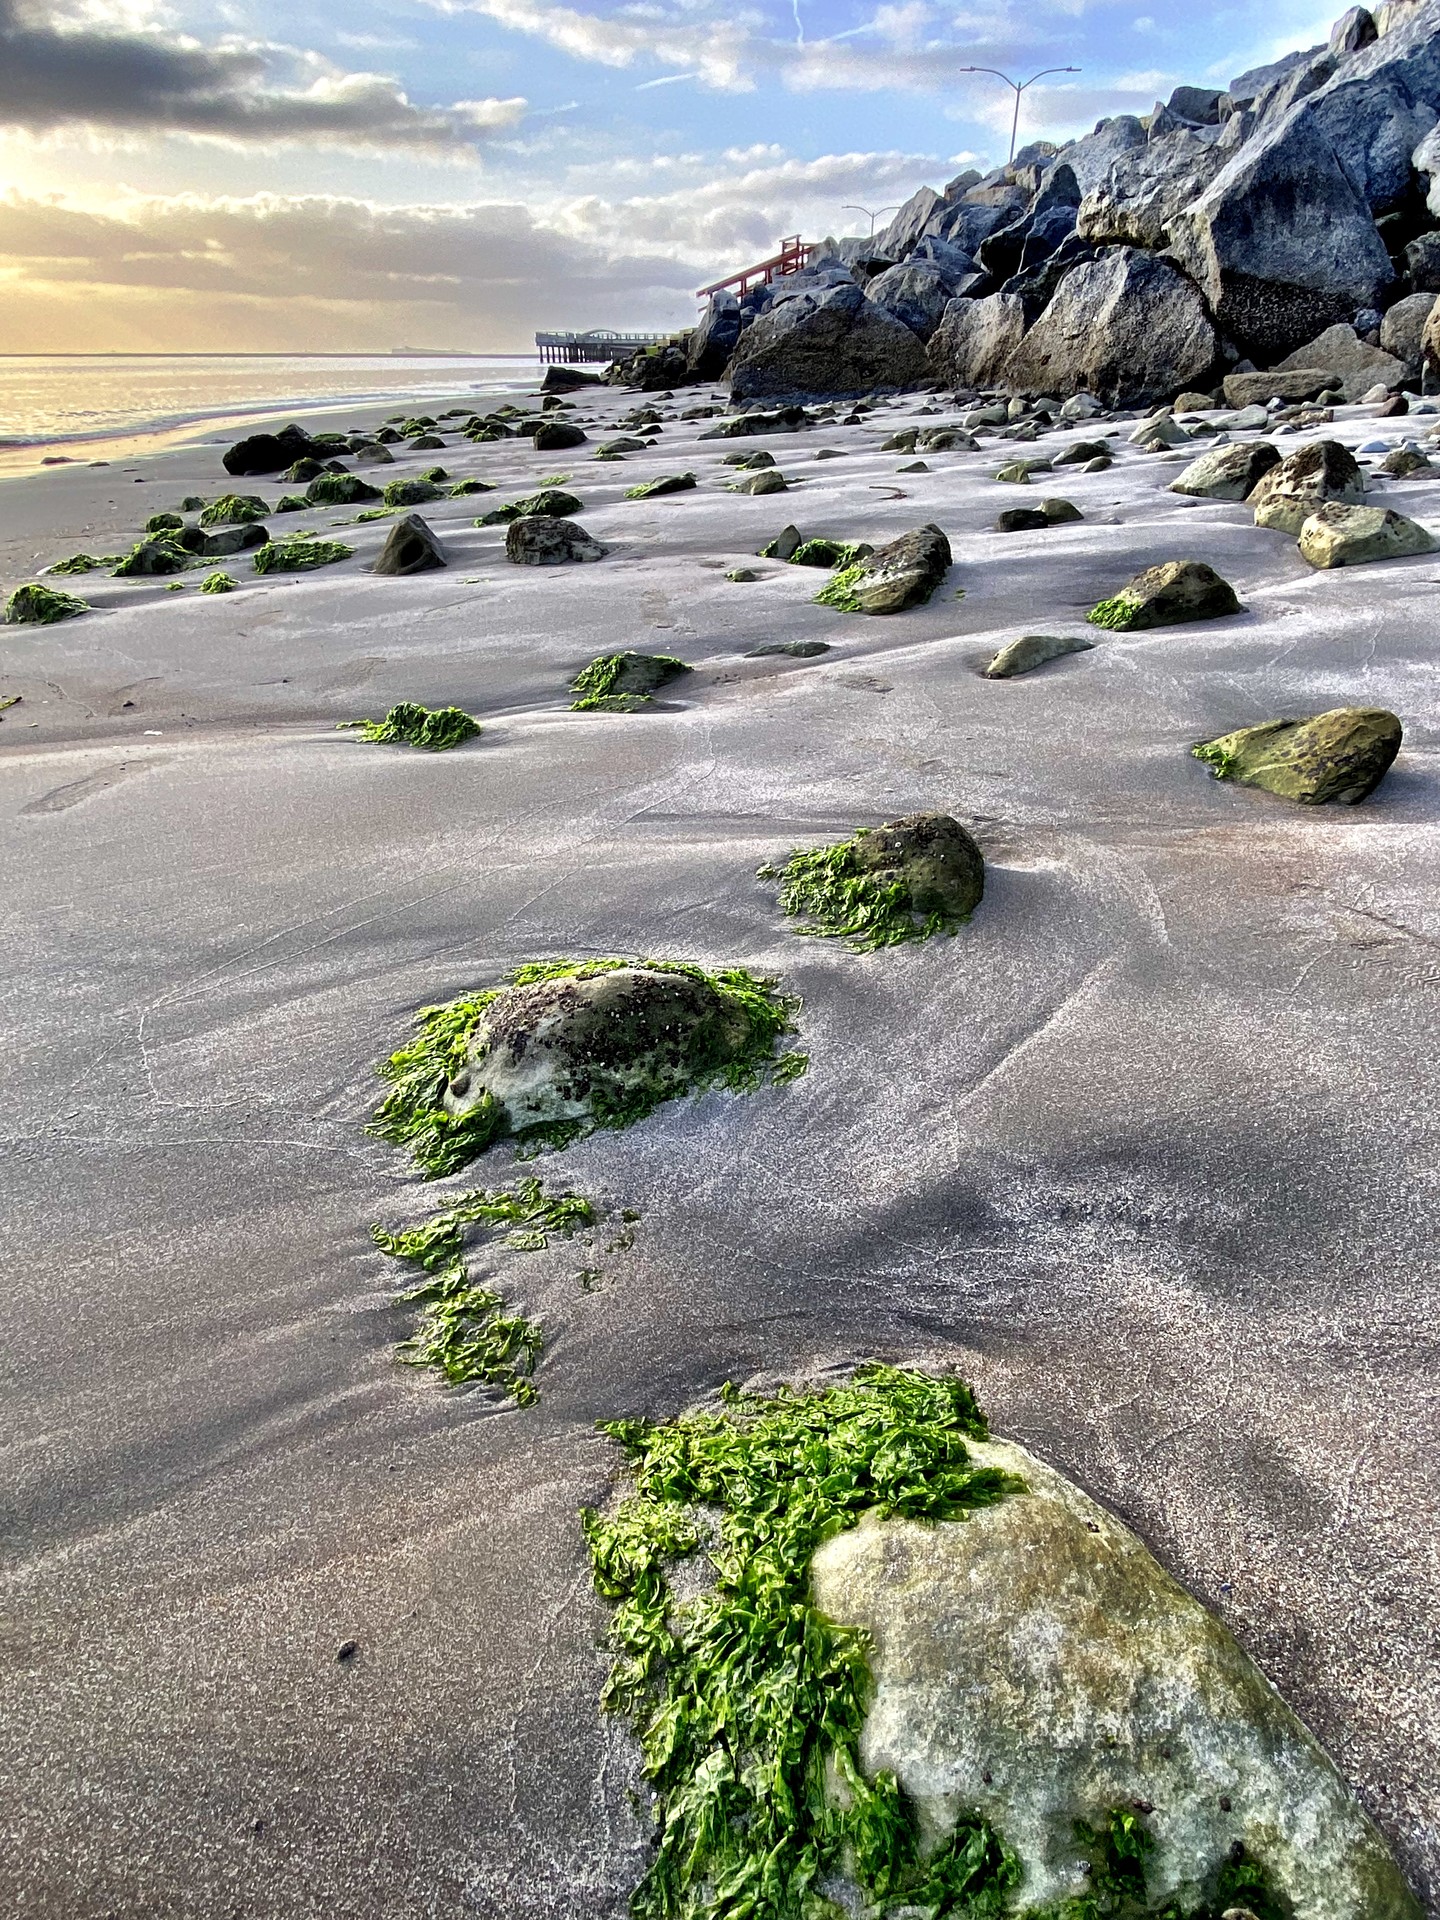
(56, 400)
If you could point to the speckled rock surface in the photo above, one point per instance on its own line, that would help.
(1341, 755)
(1340, 536)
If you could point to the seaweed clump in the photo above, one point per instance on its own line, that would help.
(748, 1703)
(37, 606)
(436, 729)
(218, 583)
(234, 510)
(86, 563)
(465, 1331)
(567, 1047)
(296, 554)
(905, 881)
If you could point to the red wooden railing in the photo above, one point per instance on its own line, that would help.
(792, 258)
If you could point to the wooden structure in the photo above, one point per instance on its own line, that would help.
(600, 343)
(793, 257)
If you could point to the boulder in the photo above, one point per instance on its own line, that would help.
(1282, 242)
(1020, 520)
(716, 337)
(1167, 596)
(410, 547)
(1254, 389)
(148, 558)
(1401, 462)
(1081, 453)
(746, 425)
(562, 379)
(220, 542)
(1033, 650)
(339, 490)
(1126, 326)
(623, 682)
(932, 856)
(553, 501)
(973, 343)
(233, 509)
(584, 1049)
(370, 453)
(833, 342)
(1228, 473)
(1340, 756)
(1034, 1664)
(1422, 263)
(915, 294)
(272, 452)
(768, 480)
(1289, 493)
(538, 540)
(902, 574)
(554, 436)
(1356, 366)
(1146, 188)
(1402, 331)
(1341, 536)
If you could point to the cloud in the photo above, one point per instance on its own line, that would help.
(108, 68)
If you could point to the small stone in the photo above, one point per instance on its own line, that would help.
(1033, 650)
(538, 540)
(1375, 396)
(743, 575)
(1059, 513)
(914, 466)
(346, 1651)
(411, 547)
(1395, 405)
(1339, 756)
(1341, 536)
(623, 682)
(1167, 595)
(795, 649)
(1017, 472)
(769, 480)
(222, 542)
(1228, 473)
(830, 453)
(1100, 464)
(1021, 520)
(1081, 452)
(903, 442)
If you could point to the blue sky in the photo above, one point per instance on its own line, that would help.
(232, 173)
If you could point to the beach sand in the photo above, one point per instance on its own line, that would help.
(1147, 1150)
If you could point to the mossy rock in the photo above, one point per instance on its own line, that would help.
(218, 583)
(410, 493)
(433, 729)
(828, 553)
(162, 555)
(555, 435)
(164, 523)
(553, 501)
(427, 443)
(1401, 462)
(906, 880)
(303, 472)
(296, 554)
(1341, 755)
(1166, 596)
(667, 483)
(567, 1047)
(623, 682)
(38, 606)
(904, 573)
(233, 510)
(339, 490)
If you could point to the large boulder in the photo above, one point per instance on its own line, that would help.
(1341, 536)
(1339, 756)
(1125, 326)
(716, 337)
(1356, 365)
(1255, 389)
(1282, 242)
(1146, 187)
(1402, 331)
(915, 294)
(1228, 473)
(1035, 1665)
(273, 452)
(975, 339)
(1288, 494)
(833, 342)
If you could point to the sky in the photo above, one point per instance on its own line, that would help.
(291, 175)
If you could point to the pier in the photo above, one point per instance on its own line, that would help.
(600, 343)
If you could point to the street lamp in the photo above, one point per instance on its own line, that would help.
(1019, 86)
(850, 207)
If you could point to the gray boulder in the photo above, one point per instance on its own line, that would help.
(537, 540)
(1033, 650)
(557, 436)
(1126, 326)
(1200, 105)
(1430, 342)
(1282, 242)
(1340, 351)
(411, 547)
(1091, 159)
(1402, 331)
(714, 340)
(1288, 494)
(832, 342)
(1146, 187)
(1247, 88)
(1422, 262)
(975, 339)
(1036, 1665)
(915, 294)
(1228, 473)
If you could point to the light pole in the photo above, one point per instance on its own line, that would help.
(1019, 86)
(850, 207)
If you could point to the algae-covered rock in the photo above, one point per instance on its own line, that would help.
(37, 606)
(1289, 493)
(902, 574)
(339, 490)
(234, 510)
(554, 435)
(1166, 596)
(549, 500)
(297, 554)
(410, 547)
(623, 682)
(222, 542)
(1341, 755)
(410, 493)
(539, 540)
(791, 649)
(303, 472)
(1341, 536)
(1032, 650)
(786, 544)
(904, 881)
(667, 483)
(1036, 1666)
(822, 552)
(164, 523)
(427, 443)
(1228, 473)
(149, 558)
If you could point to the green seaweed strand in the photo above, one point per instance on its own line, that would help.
(1117, 614)
(435, 729)
(836, 897)
(747, 1702)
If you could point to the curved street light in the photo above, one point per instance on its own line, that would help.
(1019, 87)
(850, 207)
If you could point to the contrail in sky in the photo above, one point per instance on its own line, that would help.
(799, 27)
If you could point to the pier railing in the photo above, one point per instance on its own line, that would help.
(793, 257)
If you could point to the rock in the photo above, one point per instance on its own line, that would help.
(1343, 354)
(625, 444)
(715, 338)
(914, 466)
(902, 574)
(1340, 756)
(915, 294)
(1341, 536)
(1021, 520)
(339, 490)
(563, 379)
(1401, 462)
(744, 425)
(1430, 343)
(221, 542)
(932, 856)
(149, 558)
(831, 342)
(1289, 493)
(1081, 406)
(1228, 473)
(1353, 30)
(539, 540)
(973, 343)
(1059, 513)
(1422, 262)
(371, 454)
(272, 452)
(553, 436)
(411, 547)
(902, 442)
(1099, 464)
(1080, 453)
(39, 606)
(623, 682)
(768, 480)
(761, 457)
(1160, 426)
(553, 501)
(1017, 472)
(1166, 596)
(1392, 407)
(1036, 1665)
(1033, 650)
(1252, 389)
(1248, 419)
(743, 575)
(1146, 188)
(1282, 241)
(1126, 327)
(233, 509)
(945, 440)
(410, 493)
(583, 1049)
(786, 544)
(666, 483)
(1402, 331)
(794, 649)
(429, 443)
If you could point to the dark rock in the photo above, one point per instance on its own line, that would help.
(411, 547)
(1126, 327)
(715, 339)
(303, 472)
(1021, 520)
(794, 649)
(1422, 262)
(1339, 756)
(975, 339)
(915, 294)
(555, 435)
(933, 856)
(835, 342)
(550, 500)
(1146, 188)
(272, 452)
(623, 682)
(904, 573)
(221, 542)
(1081, 453)
(1167, 595)
(1255, 389)
(1355, 365)
(539, 541)
(786, 544)
(744, 426)
(563, 379)
(339, 490)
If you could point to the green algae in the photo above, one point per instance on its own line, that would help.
(234, 510)
(86, 563)
(830, 553)
(339, 490)
(164, 523)
(841, 892)
(1117, 614)
(291, 503)
(839, 592)
(436, 729)
(461, 488)
(409, 493)
(413, 1114)
(623, 682)
(37, 606)
(549, 500)
(297, 554)
(218, 583)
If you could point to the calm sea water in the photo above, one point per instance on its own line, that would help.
(47, 400)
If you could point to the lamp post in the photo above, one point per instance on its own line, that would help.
(850, 207)
(1019, 87)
